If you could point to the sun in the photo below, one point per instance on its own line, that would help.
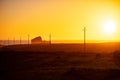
(109, 27)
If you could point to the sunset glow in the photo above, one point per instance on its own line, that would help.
(64, 19)
(109, 27)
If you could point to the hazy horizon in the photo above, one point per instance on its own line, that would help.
(12, 42)
(64, 19)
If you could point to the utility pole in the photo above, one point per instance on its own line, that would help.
(50, 39)
(14, 41)
(20, 40)
(84, 39)
(28, 39)
(8, 41)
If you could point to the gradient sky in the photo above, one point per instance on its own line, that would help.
(64, 19)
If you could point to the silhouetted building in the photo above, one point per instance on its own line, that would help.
(37, 40)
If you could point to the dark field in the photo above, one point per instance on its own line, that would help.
(54, 62)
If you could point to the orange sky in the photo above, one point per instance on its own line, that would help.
(64, 19)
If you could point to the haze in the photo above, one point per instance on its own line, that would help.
(64, 19)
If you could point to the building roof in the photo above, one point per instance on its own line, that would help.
(39, 38)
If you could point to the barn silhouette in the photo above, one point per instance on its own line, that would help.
(37, 40)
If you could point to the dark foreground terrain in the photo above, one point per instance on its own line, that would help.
(59, 65)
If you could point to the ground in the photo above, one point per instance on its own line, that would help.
(58, 65)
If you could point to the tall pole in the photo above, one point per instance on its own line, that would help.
(84, 39)
(20, 40)
(50, 38)
(14, 41)
(28, 39)
(8, 41)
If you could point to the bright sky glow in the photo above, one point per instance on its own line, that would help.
(64, 19)
(110, 27)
